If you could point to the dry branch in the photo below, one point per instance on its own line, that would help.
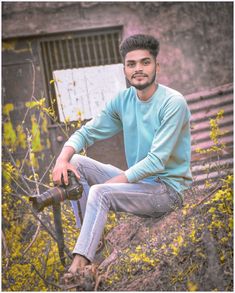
(45, 280)
(34, 237)
(6, 249)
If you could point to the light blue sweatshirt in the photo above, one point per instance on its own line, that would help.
(156, 135)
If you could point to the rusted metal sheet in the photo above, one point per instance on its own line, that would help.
(87, 90)
(204, 106)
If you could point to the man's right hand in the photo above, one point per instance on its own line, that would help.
(62, 166)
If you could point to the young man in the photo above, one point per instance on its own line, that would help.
(156, 130)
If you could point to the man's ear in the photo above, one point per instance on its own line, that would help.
(157, 67)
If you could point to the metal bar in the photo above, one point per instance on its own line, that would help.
(69, 53)
(57, 64)
(75, 53)
(107, 47)
(81, 51)
(88, 51)
(50, 66)
(62, 54)
(42, 64)
(45, 61)
(94, 43)
(49, 62)
(101, 49)
(114, 49)
(50, 57)
(118, 40)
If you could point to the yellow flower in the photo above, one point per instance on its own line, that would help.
(224, 239)
(230, 224)
(7, 189)
(138, 248)
(212, 210)
(191, 286)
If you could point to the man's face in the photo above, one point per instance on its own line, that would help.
(140, 68)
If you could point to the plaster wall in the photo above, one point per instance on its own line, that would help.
(196, 37)
(196, 48)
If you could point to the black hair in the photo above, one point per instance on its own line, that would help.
(139, 41)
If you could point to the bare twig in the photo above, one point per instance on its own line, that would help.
(39, 182)
(33, 88)
(33, 79)
(109, 260)
(18, 185)
(14, 164)
(53, 119)
(104, 276)
(29, 137)
(203, 200)
(45, 280)
(6, 249)
(209, 195)
(45, 260)
(62, 106)
(48, 168)
(34, 237)
(44, 226)
(24, 160)
(33, 98)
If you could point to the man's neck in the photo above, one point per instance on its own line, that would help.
(147, 93)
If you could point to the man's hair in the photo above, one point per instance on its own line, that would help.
(139, 42)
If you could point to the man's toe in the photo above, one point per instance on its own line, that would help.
(67, 278)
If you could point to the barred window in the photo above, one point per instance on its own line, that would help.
(78, 50)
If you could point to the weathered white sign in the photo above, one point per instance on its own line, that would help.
(82, 93)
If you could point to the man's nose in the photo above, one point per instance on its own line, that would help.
(138, 67)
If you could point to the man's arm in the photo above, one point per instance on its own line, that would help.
(105, 125)
(118, 179)
(62, 166)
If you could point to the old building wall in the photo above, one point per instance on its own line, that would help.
(196, 38)
(196, 49)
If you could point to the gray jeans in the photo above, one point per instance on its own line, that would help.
(141, 198)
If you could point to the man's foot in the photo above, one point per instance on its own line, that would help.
(79, 262)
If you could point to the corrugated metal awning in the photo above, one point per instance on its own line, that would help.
(204, 106)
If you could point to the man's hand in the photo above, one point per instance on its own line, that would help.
(118, 179)
(62, 166)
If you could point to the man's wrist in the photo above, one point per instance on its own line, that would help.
(66, 154)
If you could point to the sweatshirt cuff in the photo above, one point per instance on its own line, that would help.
(74, 145)
(130, 176)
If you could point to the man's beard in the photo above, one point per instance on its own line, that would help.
(145, 85)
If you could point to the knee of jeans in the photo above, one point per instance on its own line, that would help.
(98, 195)
(77, 160)
(74, 160)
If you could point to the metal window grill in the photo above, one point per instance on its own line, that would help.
(76, 50)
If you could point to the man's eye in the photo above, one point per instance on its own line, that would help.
(130, 64)
(146, 62)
